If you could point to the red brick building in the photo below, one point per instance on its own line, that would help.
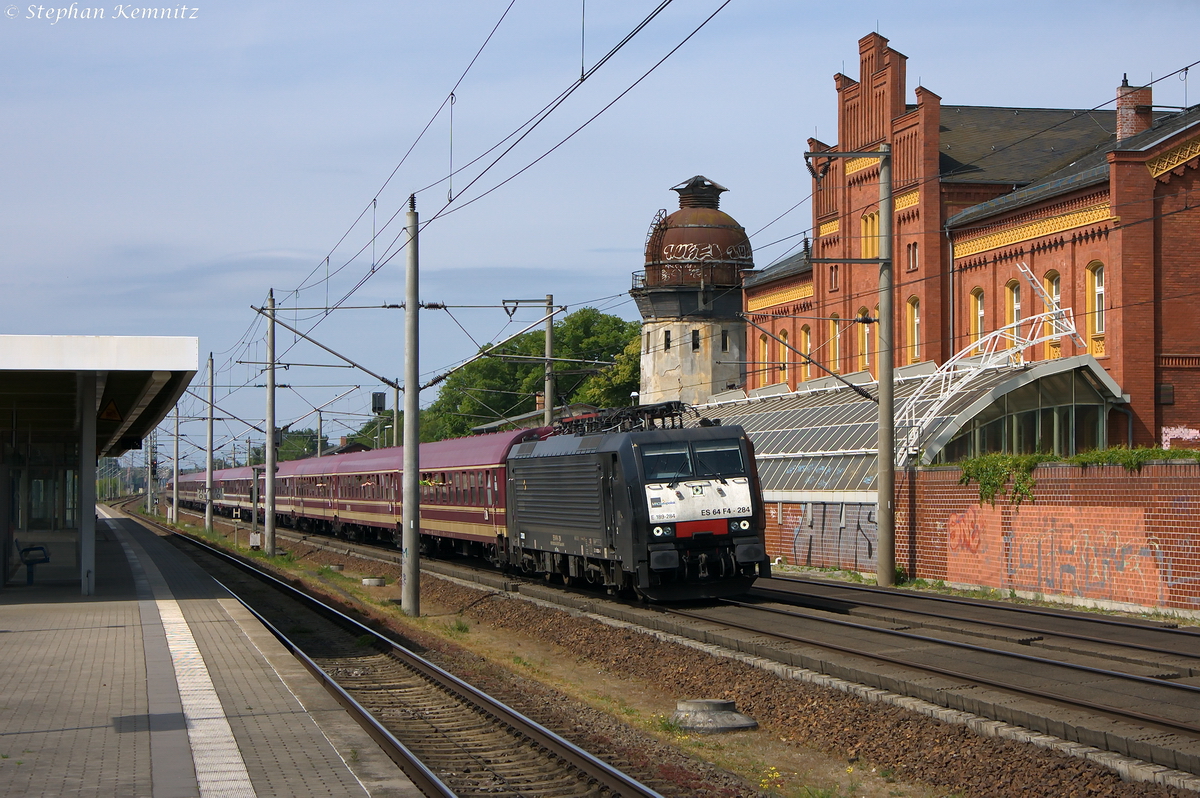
(1102, 207)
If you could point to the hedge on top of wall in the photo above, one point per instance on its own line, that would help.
(992, 472)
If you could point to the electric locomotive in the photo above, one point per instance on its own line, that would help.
(668, 511)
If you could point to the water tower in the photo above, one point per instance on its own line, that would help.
(690, 295)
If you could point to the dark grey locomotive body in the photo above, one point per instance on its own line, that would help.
(672, 514)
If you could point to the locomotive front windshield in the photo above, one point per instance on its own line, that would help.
(718, 458)
(673, 462)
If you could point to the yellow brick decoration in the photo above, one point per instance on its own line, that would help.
(907, 200)
(858, 164)
(1031, 230)
(829, 228)
(1172, 158)
(780, 296)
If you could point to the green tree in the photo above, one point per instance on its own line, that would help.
(505, 383)
(613, 385)
(295, 445)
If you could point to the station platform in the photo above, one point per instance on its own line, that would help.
(161, 684)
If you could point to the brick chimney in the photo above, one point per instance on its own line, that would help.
(1134, 109)
(344, 440)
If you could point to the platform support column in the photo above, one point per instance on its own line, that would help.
(175, 464)
(87, 483)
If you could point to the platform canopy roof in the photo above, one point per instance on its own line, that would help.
(821, 439)
(138, 380)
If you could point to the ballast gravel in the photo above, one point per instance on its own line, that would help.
(915, 748)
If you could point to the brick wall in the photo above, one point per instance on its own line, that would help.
(1098, 533)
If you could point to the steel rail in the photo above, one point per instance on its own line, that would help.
(998, 624)
(594, 768)
(1108, 621)
(398, 752)
(967, 677)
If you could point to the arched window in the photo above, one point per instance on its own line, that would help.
(1052, 282)
(764, 360)
(835, 344)
(784, 356)
(914, 260)
(1012, 307)
(864, 340)
(833, 277)
(914, 329)
(806, 348)
(870, 235)
(1095, 309)
(977, 320)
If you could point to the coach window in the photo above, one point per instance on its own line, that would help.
(1095, 309)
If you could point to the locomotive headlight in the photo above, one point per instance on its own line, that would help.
(739, 526)
(663, 531)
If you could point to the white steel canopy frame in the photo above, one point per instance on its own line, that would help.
(1004, 347)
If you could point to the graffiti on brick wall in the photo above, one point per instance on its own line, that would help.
(1179, 434)
(826, 535)
(1093, 552)
(1096, 552)
(975, 546)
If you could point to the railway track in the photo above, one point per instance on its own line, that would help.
(451, 739)
(1121, 639)
(1170, 705)
(1116, 684)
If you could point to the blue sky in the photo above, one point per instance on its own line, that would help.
(159, 175)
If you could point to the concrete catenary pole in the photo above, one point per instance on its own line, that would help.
(208, 454)
(269, 446)
(548, 414)
(886, 506)
(410, 580)
(150, 473)
(320, 433)
(175, 469)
